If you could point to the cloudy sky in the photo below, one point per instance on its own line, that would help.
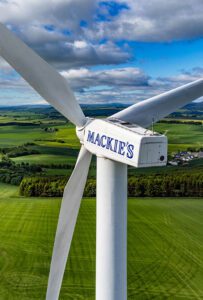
(109, 51)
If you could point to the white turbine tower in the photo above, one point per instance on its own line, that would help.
(117, 142)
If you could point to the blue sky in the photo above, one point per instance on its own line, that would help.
(109, 51)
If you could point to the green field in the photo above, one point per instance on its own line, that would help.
(165, 241)
(17, 135)
(45, 159)
(62, 145)
(52, 151)
(181, 136)
(165, 248)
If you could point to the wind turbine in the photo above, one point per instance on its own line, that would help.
(117, 142)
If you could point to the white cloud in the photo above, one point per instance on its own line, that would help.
(52, 28)
(80, 44)
(117, 78)
(64, 13)
(81, 54)
(125, 85)
(154, 21)
(174, 81)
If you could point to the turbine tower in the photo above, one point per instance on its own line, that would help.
(117, 141)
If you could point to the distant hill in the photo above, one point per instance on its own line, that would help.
(198, 106)
(190, 110)
(89, 109)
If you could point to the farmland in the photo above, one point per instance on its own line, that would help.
(165, 241)
(181, 136)
(164, 248)
(56, 143)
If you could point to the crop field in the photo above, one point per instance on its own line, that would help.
(61, 146)
(45, 159)
(181, 136)
(16, 135)
(165, 248)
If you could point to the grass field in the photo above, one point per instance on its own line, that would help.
(165, 248)
(181, 136)
(45, 159)
(61, 147)
(165, 241)
(14, 135)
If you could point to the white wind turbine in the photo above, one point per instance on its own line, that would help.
(117, 142)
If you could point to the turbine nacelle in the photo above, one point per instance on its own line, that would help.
(124, 142)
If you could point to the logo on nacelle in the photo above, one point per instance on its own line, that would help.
(122, 148)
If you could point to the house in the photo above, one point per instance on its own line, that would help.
(200, 155)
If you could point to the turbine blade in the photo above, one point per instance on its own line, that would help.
(40, 75)
(67, 219)
(152, 110)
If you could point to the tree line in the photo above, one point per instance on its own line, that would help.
(173, 185)
(13, 173)
(187, 122)
(17, 151)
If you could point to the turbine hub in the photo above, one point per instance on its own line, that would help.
(80, 131)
